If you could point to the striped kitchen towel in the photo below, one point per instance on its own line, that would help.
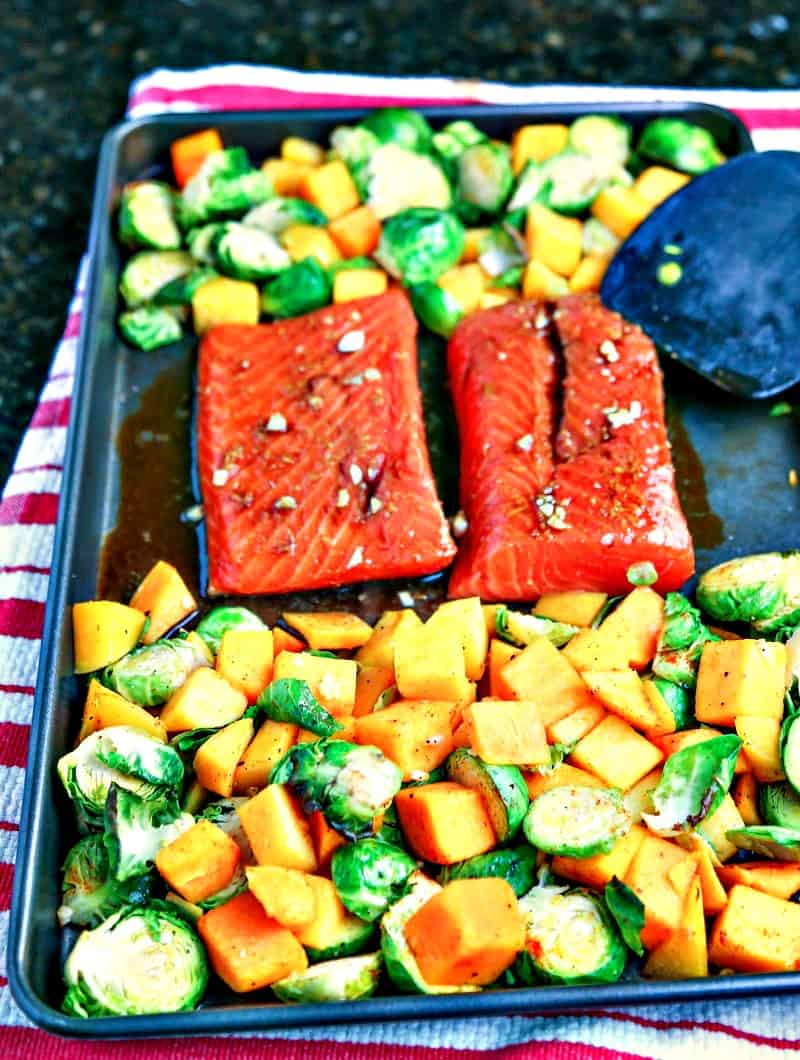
(741, 1030)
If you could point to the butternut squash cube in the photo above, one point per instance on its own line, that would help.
(310, 241)
(349, 284)
(621, 209)
(104, 631)
(648, 877)
(331, 188)
(379, 649)
(563, 775)
(600, 869)
(331, 919)
(204, 701)
(216, 760)
(104, 708)
(740, 677)
(225, 301)
(164, 597)
(429, 664)
(500, 653)
(657, 183)
(285, 894)
(756, 932)
(576, 725)
(761, 744)
(494, 296)
(714, 896)
(671, 743)
(589, 274)
(465, 619)
(371, 683)
(245, 660)
(282, 640)
(444, 822)
(616, 753)
(541, 674)
(781, 879)
(278, 830)
(296, 149)
(665, 719)
(576, 607)
(507, 733)
(267, 747)
(200, 862)
(416, 735)
(622, 692)
(714, 829)
(357, 233)
(745, 796)
(638, 621)
(329, 630)
(553, 240)
(247, 949)
(468, 933)
(535, 143)
(286, 175)
(466, 284)
(683, 955)
(325, 839)
(332, 681)
(539, 281)
(596, 649)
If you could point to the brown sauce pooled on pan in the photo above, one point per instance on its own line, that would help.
(154, 489)
(705, 527)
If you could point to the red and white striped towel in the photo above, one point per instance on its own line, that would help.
(742, 1030)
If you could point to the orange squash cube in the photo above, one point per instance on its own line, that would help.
(103, 631)
(740, 677)
(507, 733)
(285, 894)
(563, 775)
(350, 284)
(541, 674)
(356, 233)
(600, 869)
(104, 708)
(165, 599)
(756, 932)
(371, 683)
(416, 735)
(331, 188)
(576, 607)
(745, 797)
(553, 240)
(781, 879)
(621, 209)
(536, 143)
(200, 862)
(331, 919)
(329, 630)
(379, 649)
(589, 274)
(296, 149)
(622, 692)
(576, 725)
(596, 649)
(286, 175)
(616, 753)
(325, 839)
(216, 761)
(657, 183)
(310, 241)
(204, 701)
(332, 681)
(648, 876)
(500, 653)
(278, 830)
(267, 747)
(638, 621)
(444, 822)
(684, 954)
(189, 153)
(245, 660)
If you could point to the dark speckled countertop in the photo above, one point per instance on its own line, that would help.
(65, 69)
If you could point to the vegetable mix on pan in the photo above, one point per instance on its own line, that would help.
(492, 797)
(461, 221)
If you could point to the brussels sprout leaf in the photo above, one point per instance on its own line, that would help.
(693, 784)
(628, 913)
(291, 700)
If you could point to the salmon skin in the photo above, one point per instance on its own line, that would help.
(311, 448)
(572, 504)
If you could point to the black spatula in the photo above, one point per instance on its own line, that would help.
(713, 274)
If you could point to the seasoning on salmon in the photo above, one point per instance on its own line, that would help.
(312, 455)
(551, 505)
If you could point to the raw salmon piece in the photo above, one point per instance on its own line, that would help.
(573, 507)
(313, 462)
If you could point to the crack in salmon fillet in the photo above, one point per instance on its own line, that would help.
(555, 506)
(313, 463)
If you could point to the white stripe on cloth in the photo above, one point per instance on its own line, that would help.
(41, 445)
(47, 480)
(776, 139)
(22, 585)
(64, 360)
(26, 545)
(19, 658)
(12, 779)
(16, 707)
(58, 388)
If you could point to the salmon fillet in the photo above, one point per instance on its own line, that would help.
(554, 506)
(311, 448)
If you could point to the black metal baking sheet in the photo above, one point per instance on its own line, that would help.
(732, 463)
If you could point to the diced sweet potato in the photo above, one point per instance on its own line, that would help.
(104, 631)
(216, 760)
(540, 281)
(269, 744)
(225, 301)
(468, 933)
(563, 775)
(600, 869)
(278, 830)
(535, 143)
(245, 660)
(247, 949)
(621, 209)
(781, 879)
(285, 894)
(417, 735)
(597, 649)
(740, 677)
(350, 284)
(576, 607)
(329, 630)
(164, 596)
(332, 681)
(542, 675)
(648, 877)
(683, 955)
(465, 620)
(104, 708)
(638, 620)
(200, 862)
(589, 274)
(507, 733)
(379, 649)
(657, 183)
(616, 753)
(205, 701)
(756, 932)
(444, 822)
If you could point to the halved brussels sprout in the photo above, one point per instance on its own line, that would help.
(763, 589)
(679, 144)
(201, 242)
(226, 184)
(390, 830)
(768, 841)
(570, 939)
(780, 805)
(137, 962)
(529, 184)
(396, 179)
(454, 139)
(693, 783)
(501, 249)
(576, 822)
(401, 965)
(399, 125)
(247, 253)
(485, 176)
(299, 289)
(571, 181)
(182, 290)
(602, 135)
(278, 214)
(151, 674)
(216, 623)
(521, 629)
(790, 749)
(150, 270)
(354, 144)
(436, 308)
(136, 829)
(147, 216)
(346, 979)
(370, 875)
(515, 865)
(503, 790)
(89, 890)
(224, 813)
(420, 244)
(149, 327)
(351, 784)
(681, 643)
(291, 700)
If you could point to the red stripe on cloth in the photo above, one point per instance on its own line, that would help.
(768, 117)
(72, 326)
(13, 744)
(269, 97)
(19, 1042)
(22, 568)
(702, 1025)
(22, 690)
(9, 826)
(21, 618)
(29, 508)
(6, 883)
(51, 413)
(38, 467)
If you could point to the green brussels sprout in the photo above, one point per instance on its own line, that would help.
(681, 643)
(510, 278)
(351, 784)
(249, 253)
(291, 700)
(780, 805)
(601, 135)
(678, 698)
(576, 822)
(436, 308)
(347, 264)
(354, 144)
(420, 244)
(299, 289)
(502, 788)
(217, 622)
(597, 238)
(396, 179)
(202, 241)
(768, 841)
(149, 675)
(136, 829)
(182, 290)
(401, 965)
(346, 979)
(789, 745)
(118, 755)
(147, 216)
(224, 813)
(237, 885)
(150, 270)
(515, 865)
(370, 875)
(276, 215)
(570, 939)
(693, 783)
(501, 249)
(390, 830)
(679, 144)
(137, 962)
(225, 184)
(149, 327)
(520, 629)
(484, 176)
(763, 589)
(399, 125)
(569, 182)
(89, 890)
(454, 139)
